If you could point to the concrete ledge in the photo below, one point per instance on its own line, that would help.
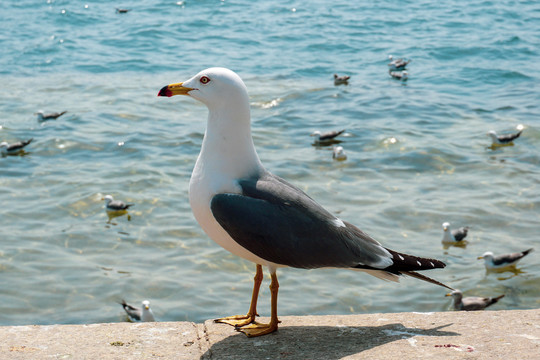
(476, 335)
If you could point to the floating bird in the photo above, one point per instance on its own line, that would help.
(122, 11)
(143, 314)
(13, 148)
(262, 218)
(115, 205)
(453, 236)
(502, 261)
(400, 75)
(339, 154)
(472, 303)
(328, 136)
(503, 139)
(52, 116)
(397, 64)
(341, 80)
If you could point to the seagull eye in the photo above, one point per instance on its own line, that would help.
(205, 80)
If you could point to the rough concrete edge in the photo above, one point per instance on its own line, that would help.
(203, 341)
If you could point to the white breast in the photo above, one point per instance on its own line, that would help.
(201, 190)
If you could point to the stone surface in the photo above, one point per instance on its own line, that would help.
(457, 335)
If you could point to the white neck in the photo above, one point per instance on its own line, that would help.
(227, 147)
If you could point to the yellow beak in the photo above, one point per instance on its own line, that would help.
(174, 89)
(448, 294)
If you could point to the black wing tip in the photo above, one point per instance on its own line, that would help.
(405, 262)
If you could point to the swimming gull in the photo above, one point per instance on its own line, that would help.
(339, 154)
(115, 205)
(502, 261)
(399, 75)
(472, 303)
(326, 136)
(122, 11)
(397, 64)
(13, 148)
(262, 218)
(52, 116)
(341, 80)
(504, 138)
(143, 314)
(453, 236)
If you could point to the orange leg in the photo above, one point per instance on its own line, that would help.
(257, 329)
(243, 320)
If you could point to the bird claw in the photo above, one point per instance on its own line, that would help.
(257, 329)
(237, 320)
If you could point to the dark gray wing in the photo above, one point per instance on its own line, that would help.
(55, 115)
(506, 138)
(132, 312)
(461, 233)
(281, 224)
(19, 145)
(509, 258)
(119, 205)
(330, 135)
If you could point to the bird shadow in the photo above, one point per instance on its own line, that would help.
(324, 342)
(20, 153)
(326, 143)
(114, 214)
(509, 269)
(494, 147)
(458, 244)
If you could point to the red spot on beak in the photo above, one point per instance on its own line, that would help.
(165, 91)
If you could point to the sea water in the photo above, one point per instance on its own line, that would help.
(418, 153)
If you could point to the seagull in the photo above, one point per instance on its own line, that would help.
(397, 64)
(339, 154)
(261, 217)
(453, 236)
(52, 116)
(122, 11)
(13, 148)
(472, 303)
(115, 205)
(143, 314)
(403, 75)
(503, 139)
(326, 136)
(502, 261)
(341, 80)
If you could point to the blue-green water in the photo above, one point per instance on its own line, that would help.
(473, 70)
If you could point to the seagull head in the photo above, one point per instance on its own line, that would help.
(108, 199)
(316, 133)
(39, 114)
(146, 304)
(446, 226)
(493, 135)
(488, 256)
(456, 294)
(215, 87)
(339, 153)
(4, 144)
